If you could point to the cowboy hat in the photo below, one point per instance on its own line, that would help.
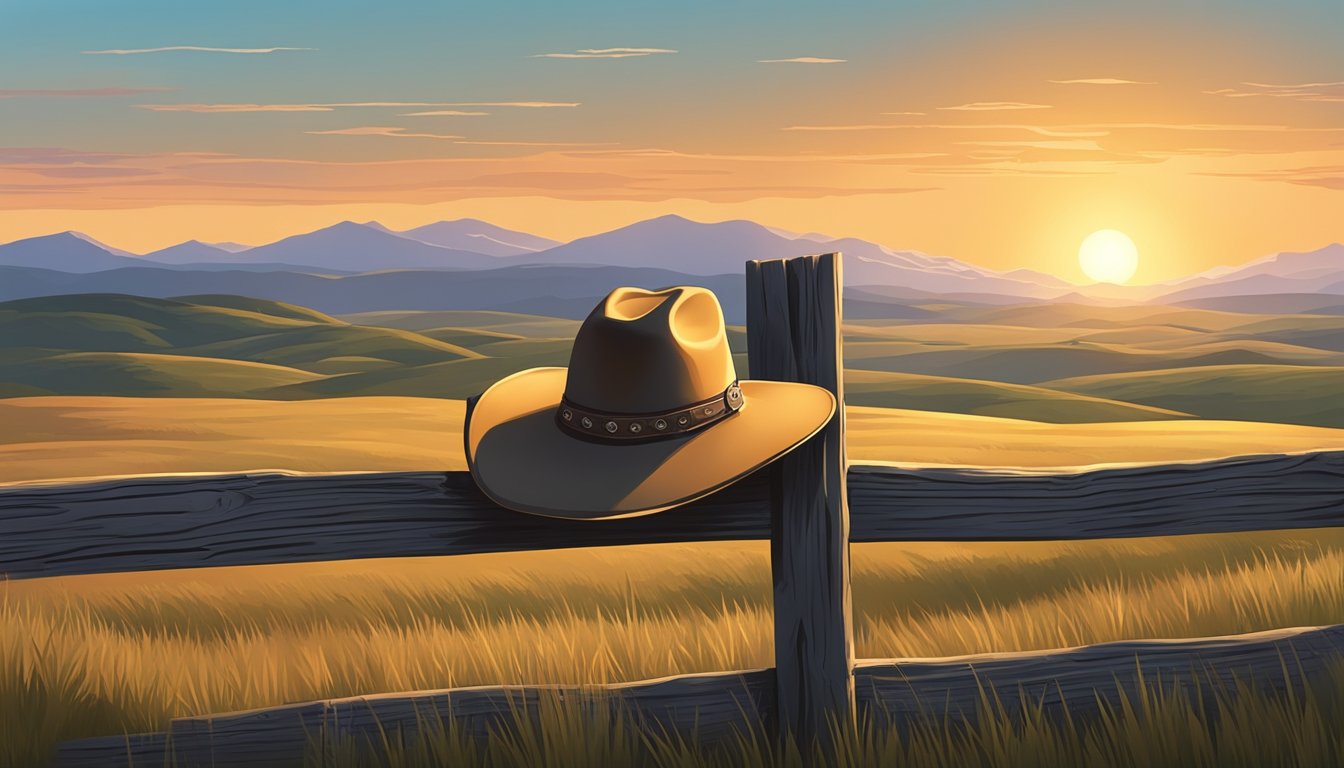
(648, 415)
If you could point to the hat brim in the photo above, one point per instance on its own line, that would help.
(524, 460)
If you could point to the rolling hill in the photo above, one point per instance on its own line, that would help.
(989, 398)
(1177, 364)
(1275, 393)
(141, 374)
(195, 346)
(1036, 363)
(550, 290)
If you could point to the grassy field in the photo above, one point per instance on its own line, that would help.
(106, 654)
(70, 437)
(99, 655)
(83, 656)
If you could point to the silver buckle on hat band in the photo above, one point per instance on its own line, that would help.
(603, 425)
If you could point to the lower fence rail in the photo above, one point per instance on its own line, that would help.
(1075, 683)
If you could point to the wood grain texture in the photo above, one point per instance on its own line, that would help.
(154, 523)
(1081, 682)
(889, 692)
(796, 337)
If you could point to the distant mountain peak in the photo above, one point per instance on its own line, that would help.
(1316, 271)
(229, 246)
(479, 236)
(67, 251)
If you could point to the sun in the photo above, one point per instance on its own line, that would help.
(1108, 256)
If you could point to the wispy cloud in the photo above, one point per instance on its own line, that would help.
(194, 48)
(539, 143)
(1327, 176)
(1042, 130)
(18, 93)
(992, 106)
(853, 127)
(328, 107)
(1086, 145)
(396, 132)
(802, 60)
(604, 53)
(1100, 81)
(1327, 92)
(895, 114)
(383, 130)
(444, 113)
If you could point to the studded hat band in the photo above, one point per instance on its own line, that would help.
(604, 426)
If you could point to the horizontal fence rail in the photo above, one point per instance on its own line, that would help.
(1074, 684)
(154, 523)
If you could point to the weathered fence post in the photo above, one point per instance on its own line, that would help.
(793, 334)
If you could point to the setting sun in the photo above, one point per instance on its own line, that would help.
(1108, 256)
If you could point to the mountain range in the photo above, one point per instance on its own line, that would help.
(671, 244)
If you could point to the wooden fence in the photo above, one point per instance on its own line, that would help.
(811, 505)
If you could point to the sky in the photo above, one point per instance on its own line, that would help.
(999, 133)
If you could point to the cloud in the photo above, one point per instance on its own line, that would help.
(396, 132)
(802, 60)
(992, 106)
(216, 108)
(1326, 176)
(1100, 81)
(57, 156)
(904, 113)
(16, 93)
(1085, 145)
(382, 130)
(604, 53)
(444, 113)
(539, 143)
(91, 172)
(1042, 130)
(854, 127)
(1327, 92)
(328, 107)
(195, 48)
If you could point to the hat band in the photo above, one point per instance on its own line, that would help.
(620, 427)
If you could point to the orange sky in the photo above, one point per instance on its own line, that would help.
(999, 140)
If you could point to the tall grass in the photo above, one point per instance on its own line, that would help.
(100, 655)
(1152, 726)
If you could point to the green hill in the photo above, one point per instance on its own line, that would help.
(1288, 394)
(127, 323)
(1032, 364)
(1098, 364)
(990, 398)
(113, 344)
(453, 379)
(518, 324)
(142, 374)
(260, 306)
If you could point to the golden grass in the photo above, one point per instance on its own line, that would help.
(69, 437)
(1157, 725)
(99, 655)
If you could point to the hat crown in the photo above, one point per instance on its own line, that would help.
(645, 351)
